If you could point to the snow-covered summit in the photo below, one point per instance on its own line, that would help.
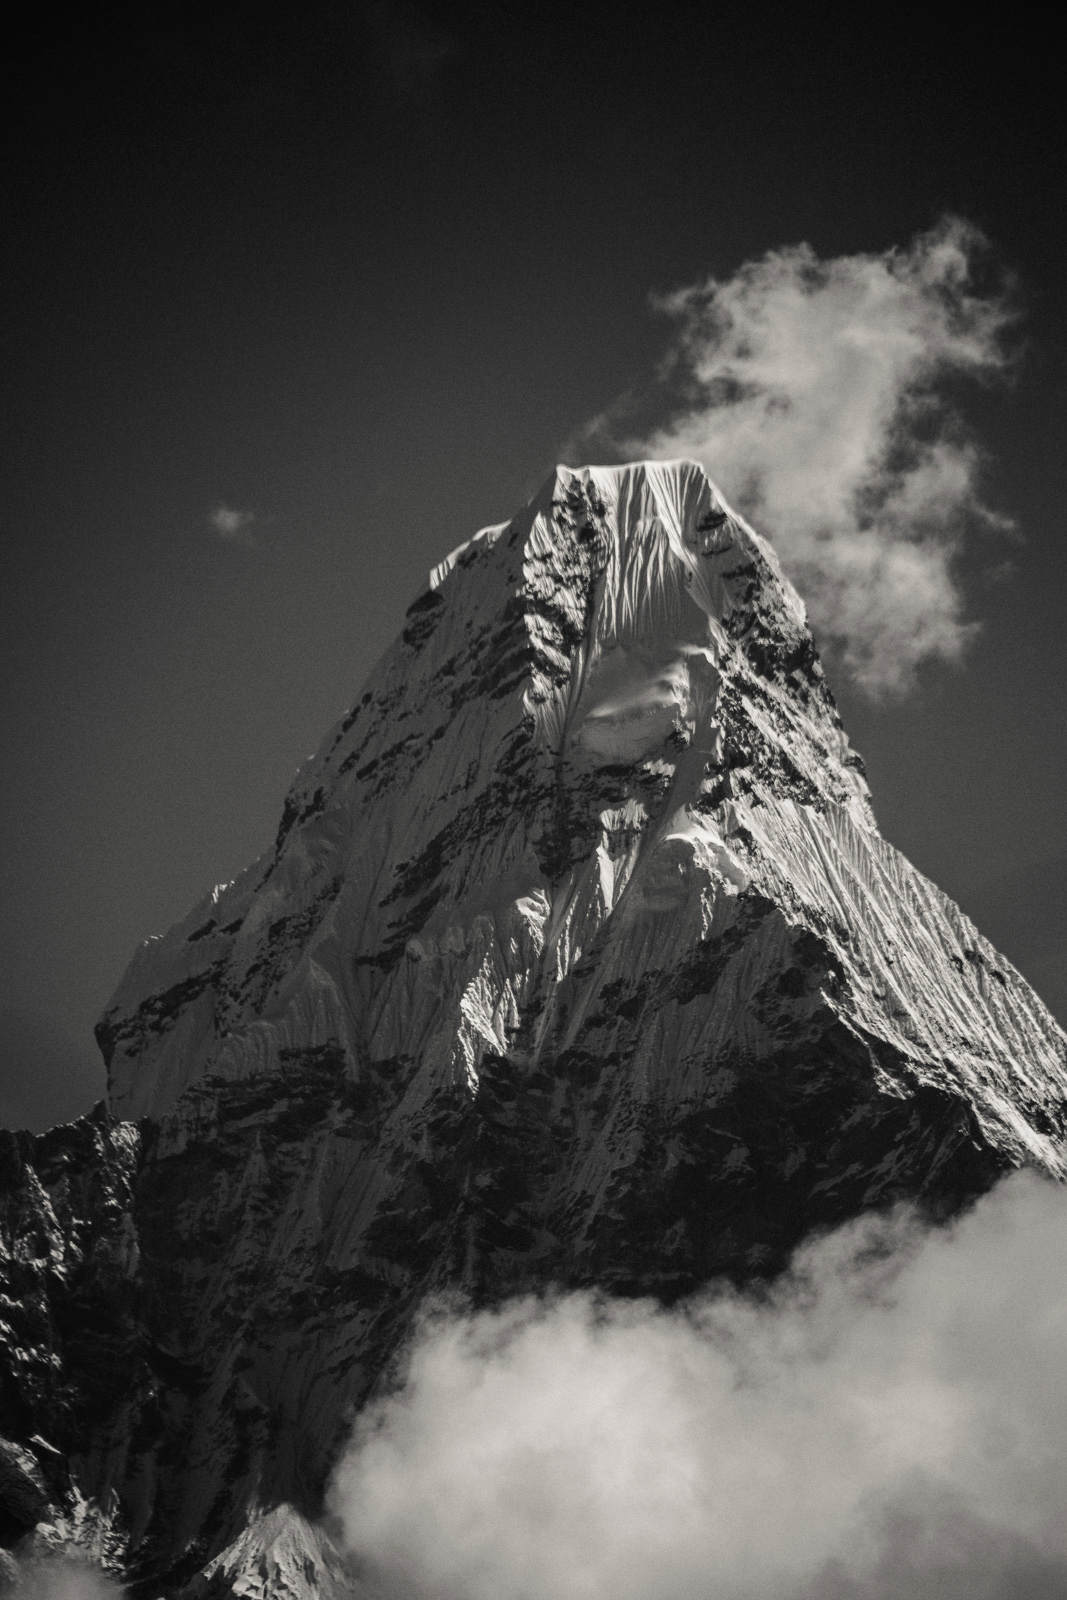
(608, 626)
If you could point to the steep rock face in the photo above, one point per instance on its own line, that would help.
(578, 958)
(72, 1375)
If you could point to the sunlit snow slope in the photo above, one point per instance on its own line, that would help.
(599, 779)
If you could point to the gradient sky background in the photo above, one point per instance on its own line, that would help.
(361, 272)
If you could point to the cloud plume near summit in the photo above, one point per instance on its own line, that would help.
(888, 1423)
(817, 395)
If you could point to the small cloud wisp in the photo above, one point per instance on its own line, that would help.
(235, 527)
(888, 1423)
(816, 394)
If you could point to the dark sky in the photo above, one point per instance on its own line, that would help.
(361, 271)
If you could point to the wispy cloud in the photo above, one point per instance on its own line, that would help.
(891, 1422)
(232, 525)
(816, 393)
(42, 1576)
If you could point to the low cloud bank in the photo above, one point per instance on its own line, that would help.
(889, 1424)
(818, 399)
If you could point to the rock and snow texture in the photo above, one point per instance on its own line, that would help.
(579, 959)
(70, 1337)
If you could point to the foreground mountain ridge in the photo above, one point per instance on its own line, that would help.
(578, 959)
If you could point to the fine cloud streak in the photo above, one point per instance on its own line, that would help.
(890, 1423)
(816, 399)
(233, 526)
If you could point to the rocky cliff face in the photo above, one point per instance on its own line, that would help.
(70, 1332)
(578, 959)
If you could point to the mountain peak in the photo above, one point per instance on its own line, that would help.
(603, 631)
(578, 959)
